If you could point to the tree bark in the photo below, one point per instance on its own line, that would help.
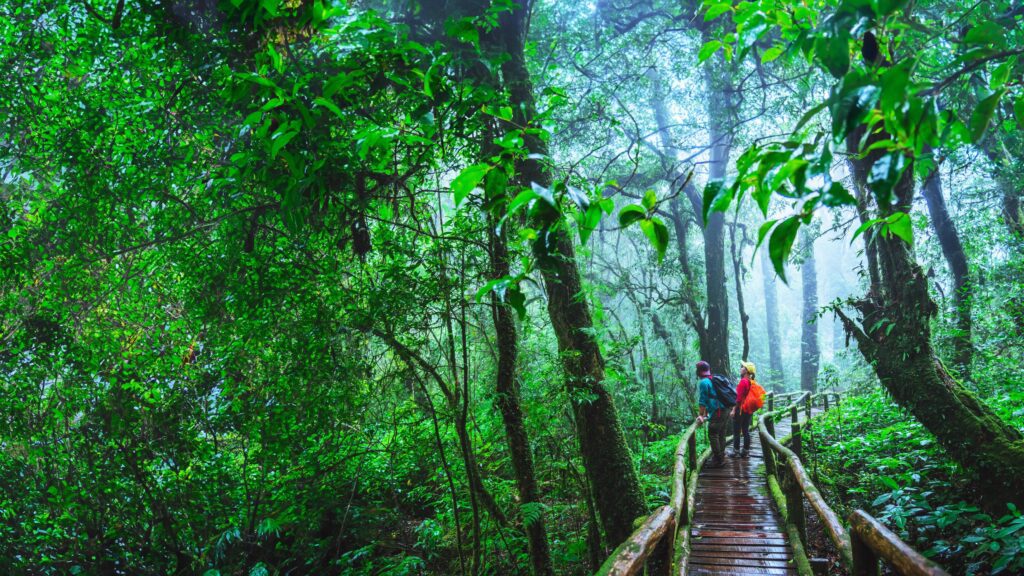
(810, 351)
(737, 273)
(893, 332)
(510, 406)
(953, 250)
(771, 305)
(606, 457)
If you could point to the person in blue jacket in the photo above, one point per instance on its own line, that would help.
(714, 413)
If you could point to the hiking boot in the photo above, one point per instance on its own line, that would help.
(715, 463)
(745, 453)
(736, 453)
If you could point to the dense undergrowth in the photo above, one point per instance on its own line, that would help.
(873, 457)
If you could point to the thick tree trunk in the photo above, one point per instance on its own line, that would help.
(953, 250)
(606, 457)
(894, 335)
(810, 351)
(771, 305)
(508, 401)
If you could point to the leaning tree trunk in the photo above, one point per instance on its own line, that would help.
(810, 351)
(953, 250)
(606, 457)
(508, 401)
(771, 305)
(893, 332)
(737, 273)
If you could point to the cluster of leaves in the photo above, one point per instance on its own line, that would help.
(887, 102)
(871, 457)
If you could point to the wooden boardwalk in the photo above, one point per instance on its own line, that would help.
(736, 529)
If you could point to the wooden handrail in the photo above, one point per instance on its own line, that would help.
(834, 527)
(872, 541)
(686, 454)
(629, 558)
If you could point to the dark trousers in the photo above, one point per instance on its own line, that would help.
(718, 426)
(741, 425)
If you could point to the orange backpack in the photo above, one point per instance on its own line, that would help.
(755, 398)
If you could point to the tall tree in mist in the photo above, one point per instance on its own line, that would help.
(956, 258)
(810, 350)
(771, 307)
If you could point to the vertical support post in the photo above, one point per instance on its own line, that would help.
(807, 406)
(766, 449)
(691, 451)
(865, 561)
(826, 402)
(795, 507)
(771, 402)
(659, 563)
(796, 441)
(793, 417)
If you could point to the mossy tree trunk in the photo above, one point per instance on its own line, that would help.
(893, 332)
(606, 457)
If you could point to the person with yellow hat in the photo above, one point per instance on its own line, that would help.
(741, 418)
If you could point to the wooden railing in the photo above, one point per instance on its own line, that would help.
(662, 542)
(867, 540)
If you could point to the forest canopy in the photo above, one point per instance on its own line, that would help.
(420, 286)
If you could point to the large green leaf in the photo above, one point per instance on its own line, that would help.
(982, 115)
(468, 180)
(657, 233)
(780, 244)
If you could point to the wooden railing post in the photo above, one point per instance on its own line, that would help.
(825, 398)
(796, 441)
(771, 401)
(767, 451)
(807, 406)
(865, 561)
(691, 452)
(793, 416)
(795, 506)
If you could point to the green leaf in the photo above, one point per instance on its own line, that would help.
(837, 195)
(630, 214)
(717, 198)
(780, 244)
(716, 11)
(591, 218)
(276, 59)
(657, 233)
(468, 180)
(281, 139)
(899, 223)
(650, 200)
(708, 50)
(326, 103)
(771, 54)
(1002, 73)
(864, 227)
(1018, 110)
(833, 51)
(522, 199)
(982, 115)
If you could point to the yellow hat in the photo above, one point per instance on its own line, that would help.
(751, 369)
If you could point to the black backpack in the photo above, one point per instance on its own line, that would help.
(725, 391)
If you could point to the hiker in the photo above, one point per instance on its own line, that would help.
(743, 411)
(714, 412)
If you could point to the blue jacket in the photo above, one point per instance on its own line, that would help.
(708, 399)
